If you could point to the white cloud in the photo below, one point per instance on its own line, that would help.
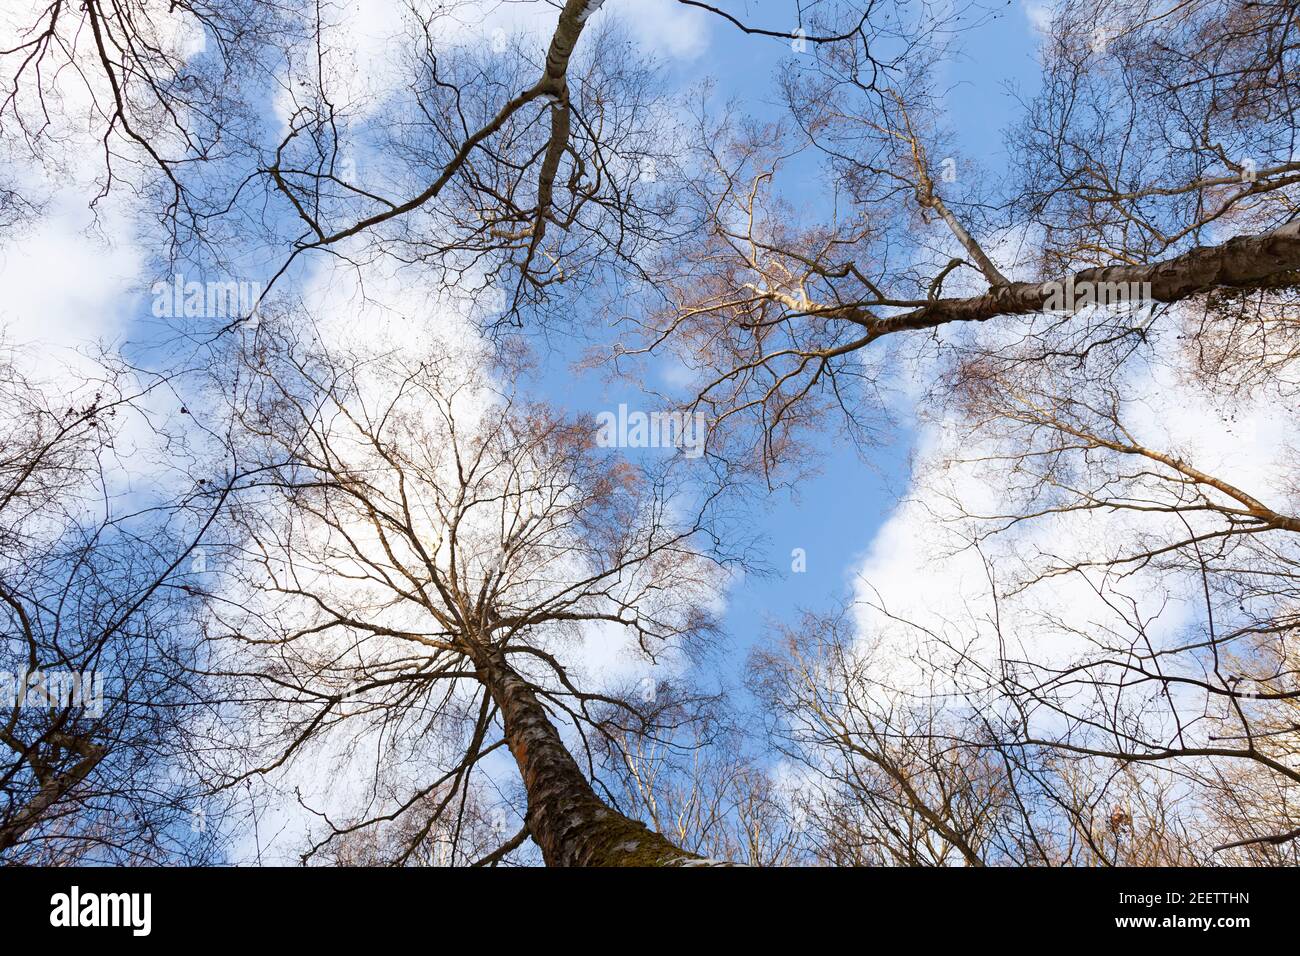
(64, 286)
(1039, 16)
(918, 569)
(666, 28)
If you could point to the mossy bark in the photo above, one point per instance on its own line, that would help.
(567, 820)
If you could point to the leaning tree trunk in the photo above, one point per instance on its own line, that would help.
(566, 818)
(1269, 260)
(52, 790)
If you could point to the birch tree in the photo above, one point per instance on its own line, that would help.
(422, 553)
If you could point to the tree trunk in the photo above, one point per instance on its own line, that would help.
(52, 791)
(1243, 262)
(566, 818)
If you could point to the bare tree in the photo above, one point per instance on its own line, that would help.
(99, 624)
(790, 321)
(1217, 697)
(708, 791)
(419, 553)
(163, 91)
(474, 837)
(907, 757)
(896, 785)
